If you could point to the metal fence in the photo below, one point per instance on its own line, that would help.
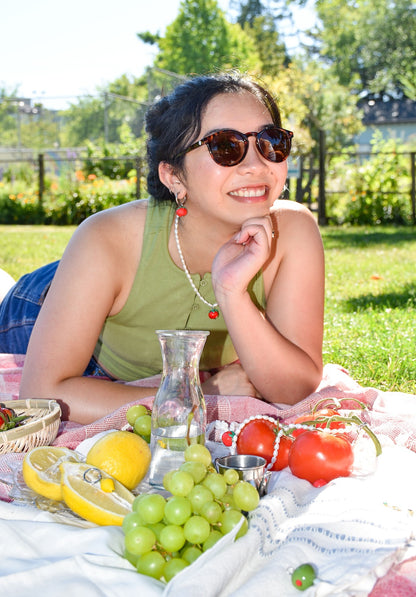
(308, 182)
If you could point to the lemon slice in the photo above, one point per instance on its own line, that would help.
(87, 492)
(41, 470)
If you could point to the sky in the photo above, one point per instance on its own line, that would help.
(59, 49)
(55, 50)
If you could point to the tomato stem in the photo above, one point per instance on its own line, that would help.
(350, 419)
(337, 403)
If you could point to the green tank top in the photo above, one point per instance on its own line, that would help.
(162, 298)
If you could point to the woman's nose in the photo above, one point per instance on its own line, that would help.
(253, 157)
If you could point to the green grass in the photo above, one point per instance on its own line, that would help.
(24, 248)
(370, 320)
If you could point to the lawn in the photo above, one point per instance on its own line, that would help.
(370, 321)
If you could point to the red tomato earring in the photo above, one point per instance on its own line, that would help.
(181, 209)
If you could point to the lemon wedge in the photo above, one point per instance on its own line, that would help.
(41, 470)
(85, 490)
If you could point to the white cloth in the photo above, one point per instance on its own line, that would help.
(352, 530)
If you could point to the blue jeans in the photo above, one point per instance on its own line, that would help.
(20, 308)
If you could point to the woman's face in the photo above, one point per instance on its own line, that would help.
(233, 194)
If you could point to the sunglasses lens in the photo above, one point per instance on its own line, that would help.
(274, 144)
(227, 148)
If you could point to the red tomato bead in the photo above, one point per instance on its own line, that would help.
(227, 438)
(181, 211)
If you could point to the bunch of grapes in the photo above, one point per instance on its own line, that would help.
(164, 535)
(140, 419)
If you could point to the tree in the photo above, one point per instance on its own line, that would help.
(248, 10)
(200, 40)
(371, 44)
(311, 99)
(9, 117)
(99, 118)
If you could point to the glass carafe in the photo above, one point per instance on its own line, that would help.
(178, 412)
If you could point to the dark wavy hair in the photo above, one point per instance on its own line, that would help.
(174, 121)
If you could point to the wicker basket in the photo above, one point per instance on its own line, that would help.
(40, 429)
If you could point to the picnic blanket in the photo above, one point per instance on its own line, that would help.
(359, 532)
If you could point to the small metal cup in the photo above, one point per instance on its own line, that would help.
(249, 468)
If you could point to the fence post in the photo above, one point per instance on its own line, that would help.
(413, 191)
(321, 198)
(138, 165)
(299, 190)
(41, 177)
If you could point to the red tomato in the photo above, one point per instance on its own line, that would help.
(328, 412)
(317, 455)
(324, 413)
(7, 412)
(257, 437)
(282, 459)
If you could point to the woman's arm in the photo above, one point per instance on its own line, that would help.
(93, 281)
(281, 350)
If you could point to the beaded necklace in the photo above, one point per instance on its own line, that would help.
(213, 313)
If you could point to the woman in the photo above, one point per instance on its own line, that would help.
(211, 249)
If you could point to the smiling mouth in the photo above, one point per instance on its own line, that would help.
(249, 193)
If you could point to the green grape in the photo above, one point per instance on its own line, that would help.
(216, 484)
(246, 497)
(143, 426)
(151, 507)
(131, 557)
(139, 540)
(156, 528)
(172, 538)
(196, 469)
(177, 510)
(199, 496)
(243, 529)
(152, 564)
(198, 453)
(173, 567)
(135, 411)
(196, 529)
(191, 553)
(211, 511)
(227, 501)
(213, 537)
(229, 519)
(131, 521)
(166, 479)
(181, 483)
(231, 476)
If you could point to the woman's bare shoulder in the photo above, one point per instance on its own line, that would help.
(292, 216)
(290, 209)
(115, 227)
(127, 214)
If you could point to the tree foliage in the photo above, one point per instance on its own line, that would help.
(371, 44)
(311, 99)
(201, 39)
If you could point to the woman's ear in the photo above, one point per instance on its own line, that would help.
(171, 180)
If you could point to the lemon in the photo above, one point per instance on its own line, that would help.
(94, 495)
(41, 470)
(123, 455)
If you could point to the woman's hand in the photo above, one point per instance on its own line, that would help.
(239, 260)
(231, 380)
